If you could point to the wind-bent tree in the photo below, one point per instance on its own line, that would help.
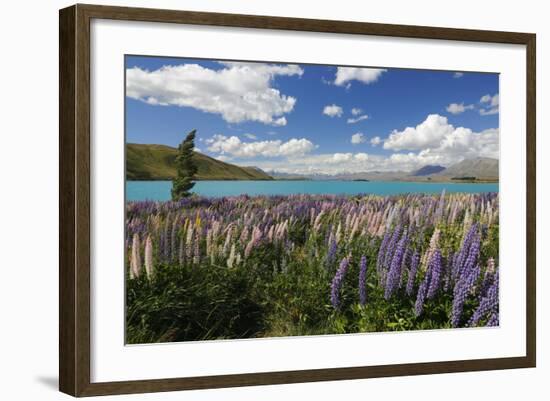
(185, 168)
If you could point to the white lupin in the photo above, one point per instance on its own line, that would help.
(149, 257)
(231, 258)
(135, 263)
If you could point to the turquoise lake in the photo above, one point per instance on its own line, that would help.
(160, 190)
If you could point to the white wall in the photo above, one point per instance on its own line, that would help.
(28, 201)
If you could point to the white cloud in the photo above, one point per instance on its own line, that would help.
(238, 92)
(250, 136)
(341, 157)
(491, 100)
(356, 111)
(488, 112)
(234, 147)
(457, 108)
(357, 138)
(427, 134)
(438, 142)
(365, 75)
(333, 111)
(449, 146)
(375, 141)
(491, 104)
(339, 163)
(461, 145)
(356, 120)
(458, 75)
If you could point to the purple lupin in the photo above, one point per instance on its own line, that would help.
(394, 273)
(420, 298)
(461, 291)
(415, 261)
(488, 305)
(337, 282)
(435, 269)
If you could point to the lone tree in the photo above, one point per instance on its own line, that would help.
(185, 168)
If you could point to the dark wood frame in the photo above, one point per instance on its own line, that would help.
(74, 199)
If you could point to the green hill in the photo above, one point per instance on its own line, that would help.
(156, 162)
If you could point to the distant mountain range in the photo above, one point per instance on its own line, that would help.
(157, 162)
(427, 170)
(478, 169)
(482, 168)
(278, 175)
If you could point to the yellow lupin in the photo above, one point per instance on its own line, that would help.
(198, 221)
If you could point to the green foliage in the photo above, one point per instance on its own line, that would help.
(185, 168)
(192, 303)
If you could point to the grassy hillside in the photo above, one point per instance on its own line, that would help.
(157, 162)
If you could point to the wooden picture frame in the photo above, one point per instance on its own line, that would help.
(74, 199)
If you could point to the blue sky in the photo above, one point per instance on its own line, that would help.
(300, 118)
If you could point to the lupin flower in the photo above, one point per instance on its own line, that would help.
(149, 257)
(331, 254)
(394, 273)
(135, 261)
(406, 261)
(363, 280)
(196, 248)
(339, 233)
(270, 233)
(238, 259)
(461, 291)
(434, 244)
(493, 320)
(244, 235)
(489, 277)
(382, 252)
(420, 298)
(227, 240)
(415, 261)
(487, 305)
(461, 256)
(436, 270)
(440, 207)
(391, 247)
(337, 282)
(317, 222)
(189, 242)
(254, 240)
(473, 255)
(231, 258)
(491, 267)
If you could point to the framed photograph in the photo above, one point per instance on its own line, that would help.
(250, 200)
